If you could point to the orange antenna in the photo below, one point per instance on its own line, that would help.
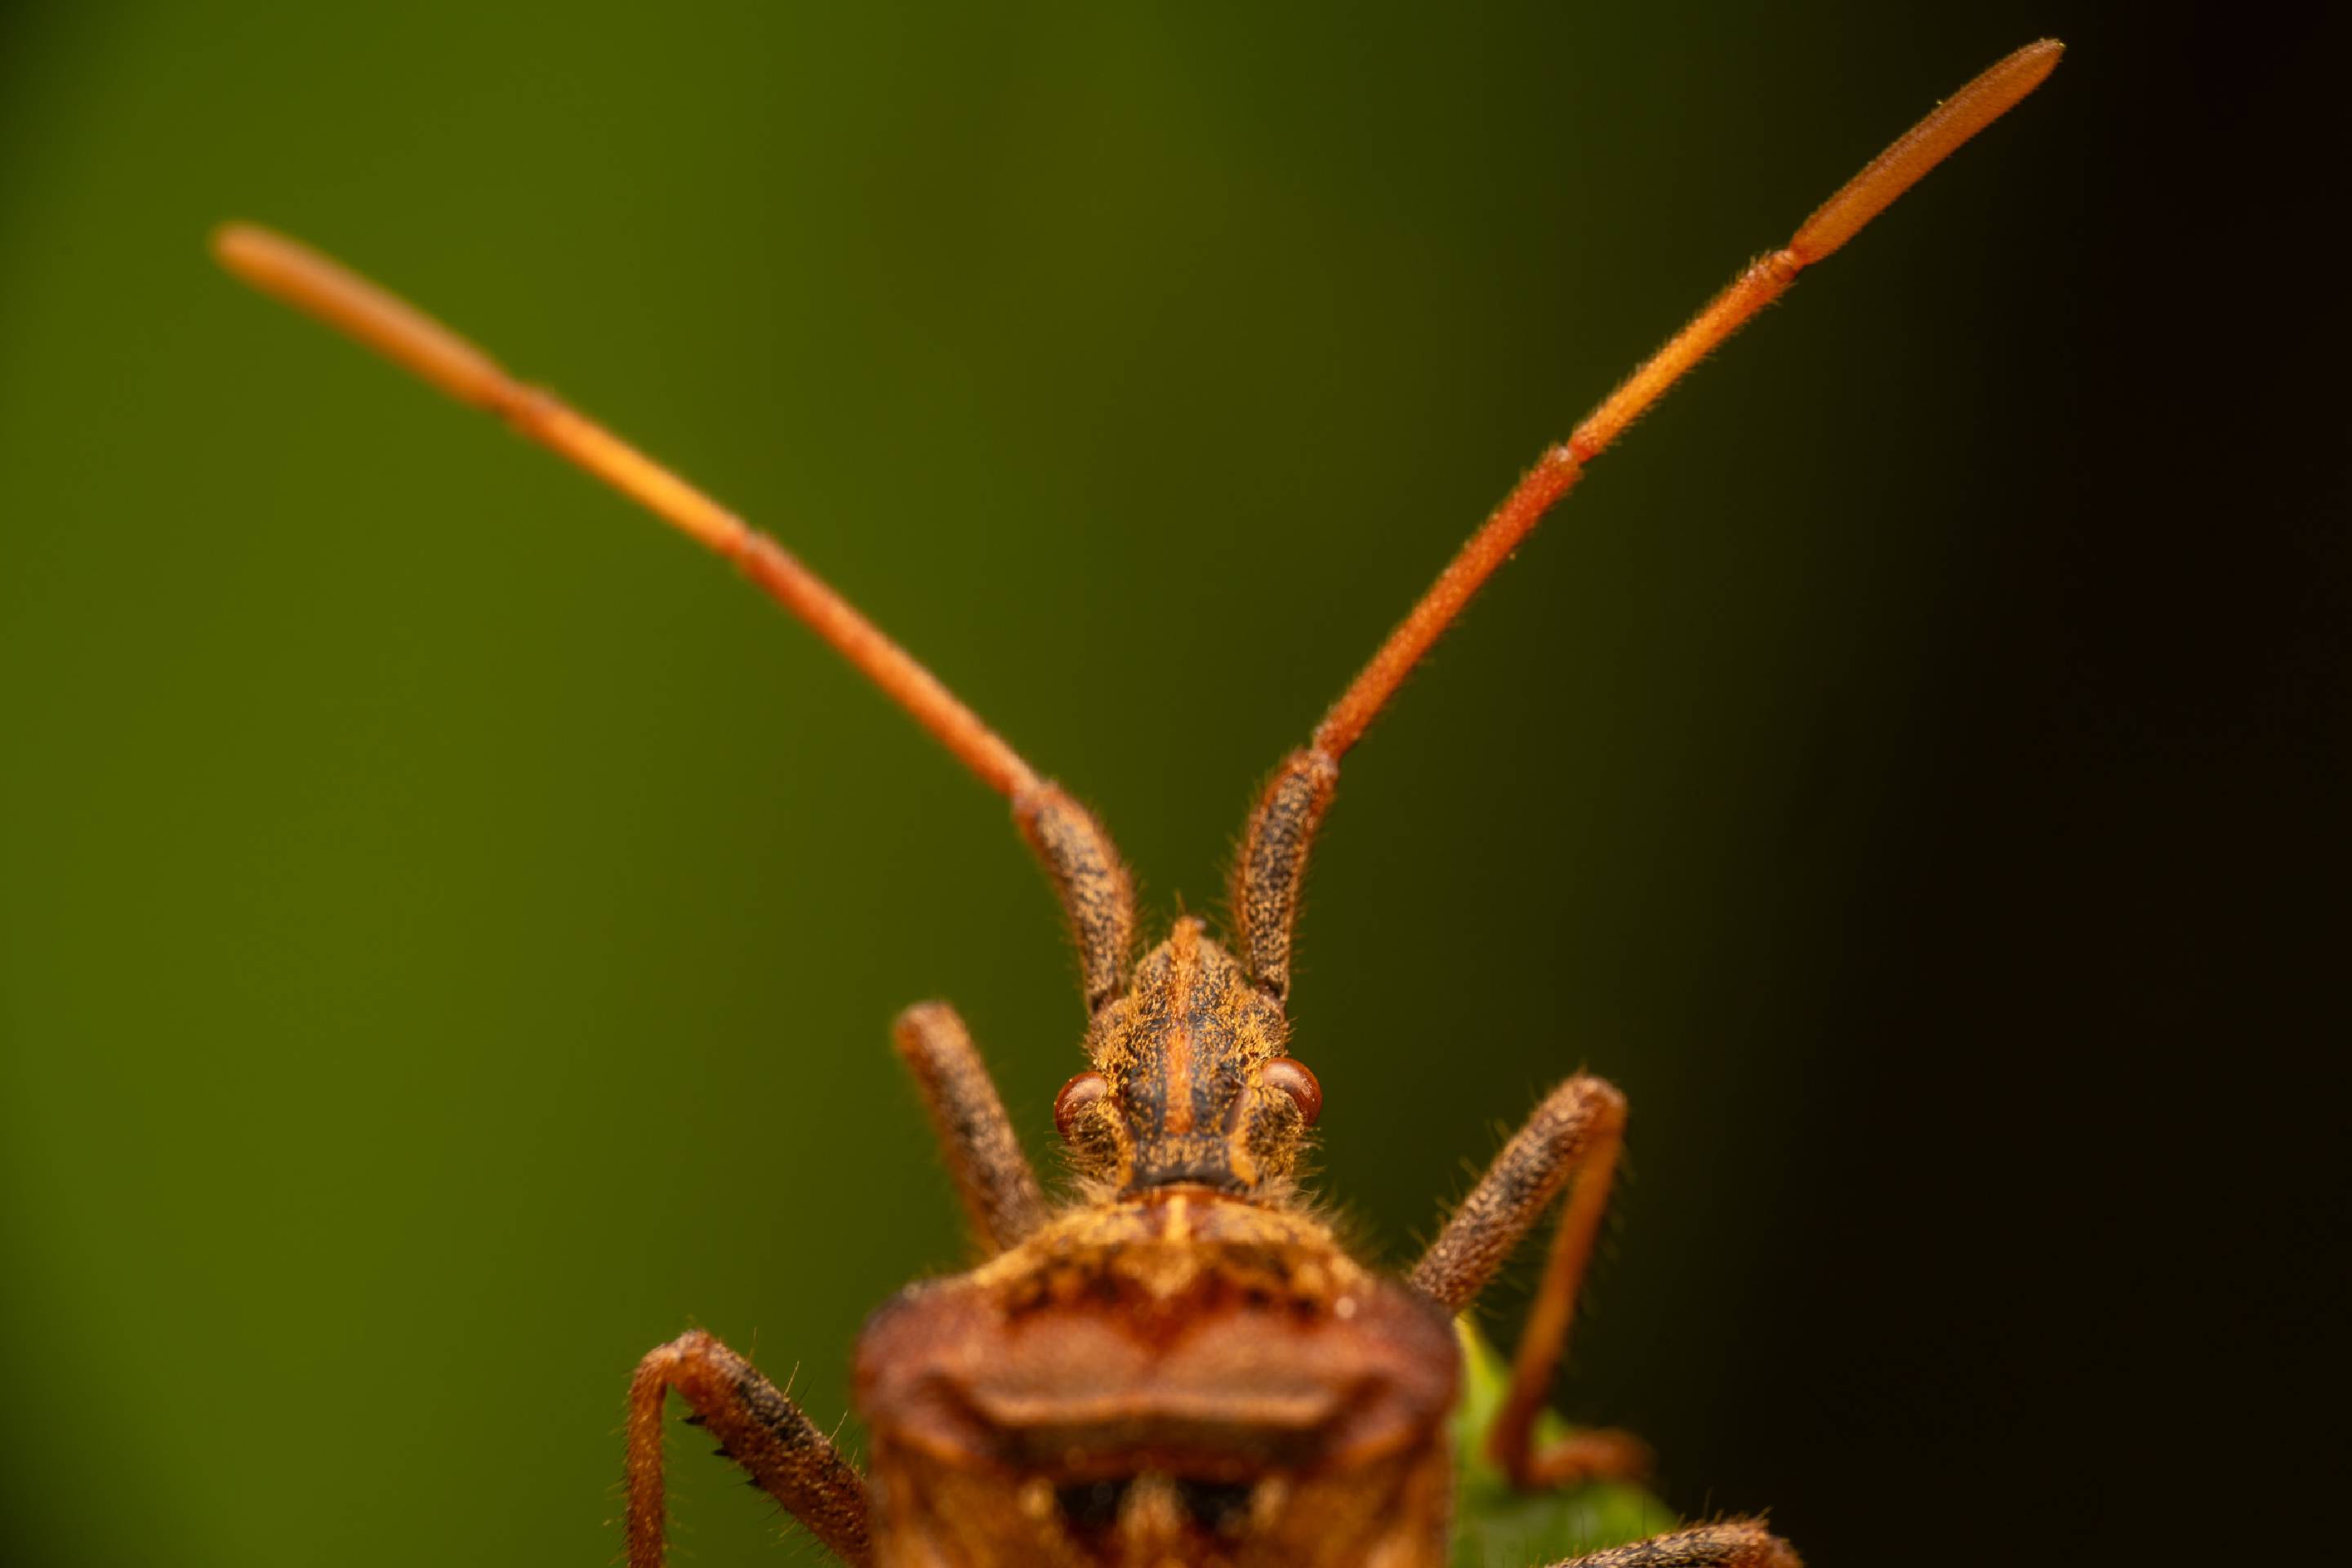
(324, 288)
(1837, 220)
(1092, 883)
(1273, 855)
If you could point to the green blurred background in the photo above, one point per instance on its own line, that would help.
(448, 928)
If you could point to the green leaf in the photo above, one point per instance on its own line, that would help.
(1498, 1526)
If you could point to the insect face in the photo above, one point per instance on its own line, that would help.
(1184, 1057)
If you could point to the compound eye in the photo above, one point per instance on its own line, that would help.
(1289, 1075)
(1076, 1095)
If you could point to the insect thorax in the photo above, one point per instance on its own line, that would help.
(1178, 1377)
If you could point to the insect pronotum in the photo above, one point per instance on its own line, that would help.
(1178, 1365)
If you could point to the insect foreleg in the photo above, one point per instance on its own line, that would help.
(1574, 1138)
(1742, 1543)
(756, 1426)
(991, 1174)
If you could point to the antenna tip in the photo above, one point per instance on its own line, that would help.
(2013, 76)
(242, 247)
(264, 258)
(2042, 55)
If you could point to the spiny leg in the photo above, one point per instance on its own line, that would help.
(758, 1428)
(1087, 873)
(1572, 1142)
(1273, 865)
(1738, 1543)
(991, 1174)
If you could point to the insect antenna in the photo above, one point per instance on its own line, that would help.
(1088, 874)
(1274, 847)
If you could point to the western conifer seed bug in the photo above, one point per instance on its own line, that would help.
(1180, 1364)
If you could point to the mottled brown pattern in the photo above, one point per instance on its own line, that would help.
(1180, 1377)
(991, 1175)
(759, 1429)
(1570, 1143)
(1573, 1122)
(1271, 874)
(1183, 1053)
(1738, 1544)
(1089, 878)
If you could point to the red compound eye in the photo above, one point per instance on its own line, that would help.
(1289, 1075)
(1076, 1095)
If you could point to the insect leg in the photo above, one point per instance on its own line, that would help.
(1572, 1142)
(1738, 1543)
(758, 1428)
(990, 1173)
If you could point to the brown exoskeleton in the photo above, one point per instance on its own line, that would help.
(1180, 1365)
